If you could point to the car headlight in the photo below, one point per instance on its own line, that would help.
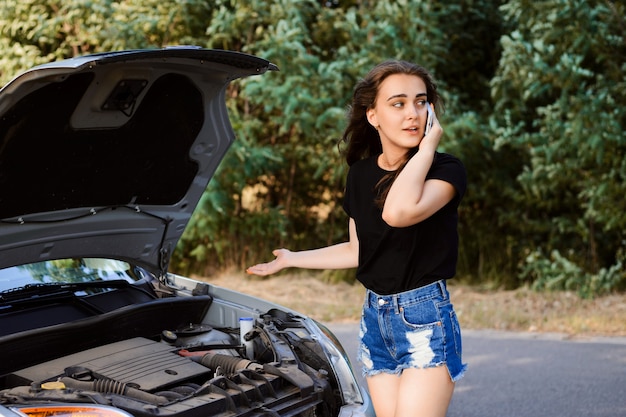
(78, 410)
(339, 361)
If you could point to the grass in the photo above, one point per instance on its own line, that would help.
(520, 310)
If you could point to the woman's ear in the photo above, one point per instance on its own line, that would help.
(371, 117)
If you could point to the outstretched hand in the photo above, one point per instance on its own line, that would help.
(272, 267)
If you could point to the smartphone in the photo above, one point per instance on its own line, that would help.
(429, 119)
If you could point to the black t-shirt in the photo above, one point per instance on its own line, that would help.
(393, 260)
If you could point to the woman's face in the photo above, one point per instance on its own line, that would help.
(399, 113)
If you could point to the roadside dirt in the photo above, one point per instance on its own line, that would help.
(519, 310)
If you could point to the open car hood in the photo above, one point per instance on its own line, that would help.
(107, 155)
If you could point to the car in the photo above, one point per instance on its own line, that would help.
(103, 159)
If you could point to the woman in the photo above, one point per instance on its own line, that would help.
(402, 198)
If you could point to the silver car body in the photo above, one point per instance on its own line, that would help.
(103, 159)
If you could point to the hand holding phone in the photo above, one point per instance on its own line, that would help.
(429, 119)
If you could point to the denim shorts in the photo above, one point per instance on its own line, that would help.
(412, 329)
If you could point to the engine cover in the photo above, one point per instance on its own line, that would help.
(145, 364)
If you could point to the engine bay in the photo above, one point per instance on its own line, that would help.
(191, 369)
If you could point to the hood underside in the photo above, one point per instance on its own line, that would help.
(107, 155)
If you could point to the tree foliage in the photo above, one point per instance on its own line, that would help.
(534, 94)
(559, 94)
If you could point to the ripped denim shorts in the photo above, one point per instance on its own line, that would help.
(412, 329)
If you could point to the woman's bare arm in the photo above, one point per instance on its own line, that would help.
(339, 256)
(412, 199)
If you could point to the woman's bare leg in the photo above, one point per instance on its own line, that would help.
(383, 389)
(415, 393)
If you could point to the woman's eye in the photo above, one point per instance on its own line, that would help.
(398, 104)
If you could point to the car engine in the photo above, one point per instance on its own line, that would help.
(191, 371)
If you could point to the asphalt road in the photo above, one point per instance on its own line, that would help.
(531, 375)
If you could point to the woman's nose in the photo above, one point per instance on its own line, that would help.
(412, 111)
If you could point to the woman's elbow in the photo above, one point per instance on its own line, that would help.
(395, 218)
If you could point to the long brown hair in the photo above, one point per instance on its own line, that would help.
(361, 137)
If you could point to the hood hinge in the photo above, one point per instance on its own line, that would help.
(164, 260)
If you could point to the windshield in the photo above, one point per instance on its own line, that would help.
(73, 270)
